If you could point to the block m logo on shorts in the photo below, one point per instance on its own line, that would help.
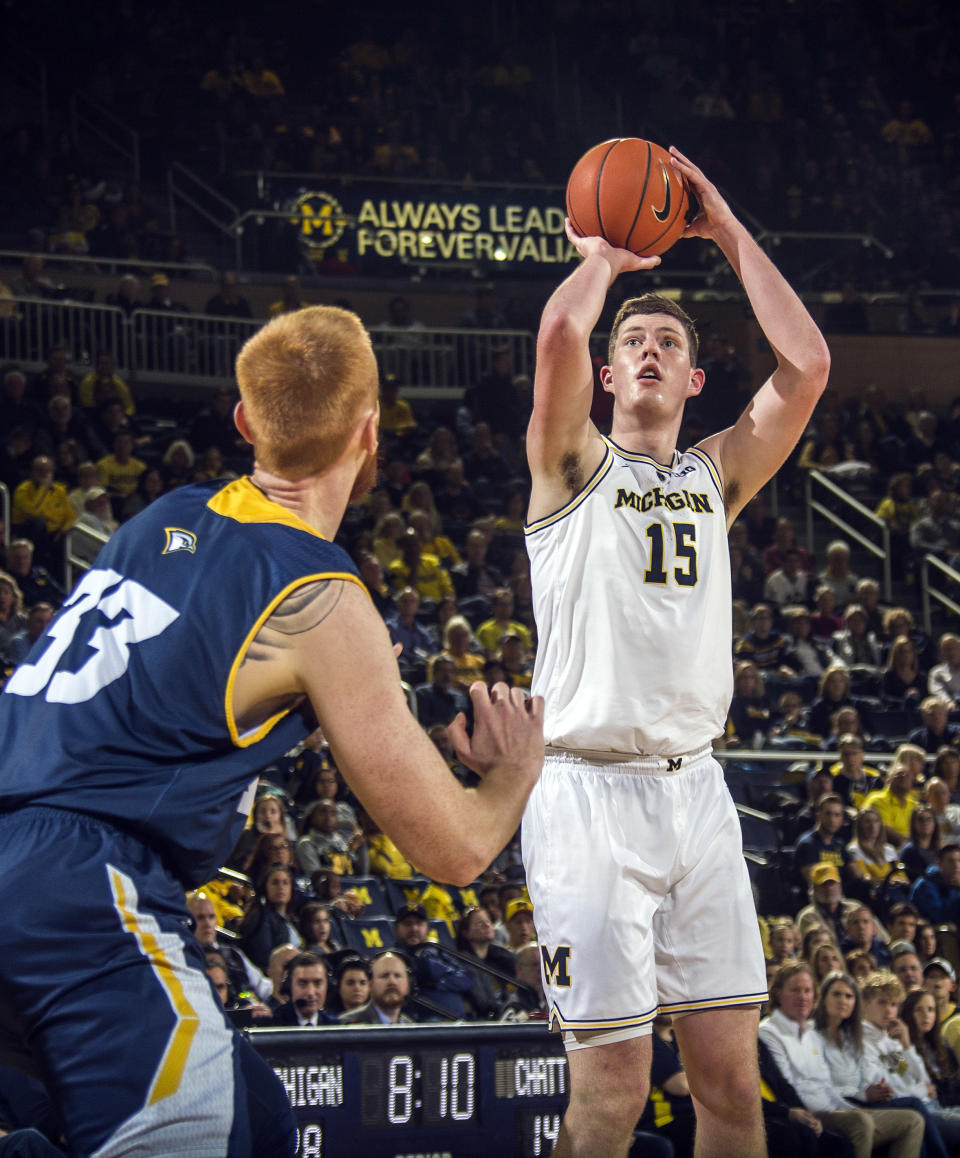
(556, 965)
(673, 763)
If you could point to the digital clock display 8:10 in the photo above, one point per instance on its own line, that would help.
(429, 1087)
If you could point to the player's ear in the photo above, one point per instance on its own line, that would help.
(697, 379)
(369, 430)
(240, 422)
(606, 379)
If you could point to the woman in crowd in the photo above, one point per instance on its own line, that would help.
(269, 816)
(751, 713)
(797, 1050)
(833, 693)
(920, 851)
(459, 645)
(353, 983)
(812, 940)
(903, 683)
(783, 938)
(431, 541)
(269, 921)
(920, 1014)
(475, 937)
(925, 941)
(870, 854)
(178, 460)
(149, 488)
(316, 926)
(826, 959)
(946, 767)
(13, 619)
(855, 644)
(859, 964)
(838, 1017)
(386, 538)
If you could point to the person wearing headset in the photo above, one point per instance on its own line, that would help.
(305, 983)
(390, 987)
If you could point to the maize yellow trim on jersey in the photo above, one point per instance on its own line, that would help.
(243, 502)
(567, 1024)
(710, 465)
(548, 520)
(170, 1071)
(715, 1003)
(638, 456)
(253, 737)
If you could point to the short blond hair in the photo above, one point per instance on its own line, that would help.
(304, 379)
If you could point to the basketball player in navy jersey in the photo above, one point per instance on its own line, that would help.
(631, 583)
(217, 629)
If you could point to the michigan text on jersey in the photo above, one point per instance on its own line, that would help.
(672, 500)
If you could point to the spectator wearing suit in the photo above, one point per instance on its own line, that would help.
(305, 981)
(35, 583)
(439, 979)
(390, 984)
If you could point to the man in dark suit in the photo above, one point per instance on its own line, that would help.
(389, 990)
(306, 983)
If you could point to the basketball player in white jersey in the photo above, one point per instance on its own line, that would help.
(631, 841)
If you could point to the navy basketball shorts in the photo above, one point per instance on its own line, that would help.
(641, 897)
(109, 994)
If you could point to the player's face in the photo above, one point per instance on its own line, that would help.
(354, 988)
(651, 370)
(308, 989)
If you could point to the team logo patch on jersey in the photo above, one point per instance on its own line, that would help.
(179, 540)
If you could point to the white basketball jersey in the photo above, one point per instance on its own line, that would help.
(631, 592)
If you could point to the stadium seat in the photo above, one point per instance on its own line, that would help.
(405, 891)
(368, 935)
(759, 832)
(370, 890)
(442, 934)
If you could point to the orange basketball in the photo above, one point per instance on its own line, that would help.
(627, 191)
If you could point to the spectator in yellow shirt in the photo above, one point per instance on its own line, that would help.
(419, 569)
(41, 507)
(290, 298)
(396, 415)
(103, 384)
(896, 800)
(119, 472)
(501, 623)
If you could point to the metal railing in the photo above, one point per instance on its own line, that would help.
(84, 329)
(184, 185)
(880, 528)
(81, 545)
(199, 349)
(86, 264)
(5, 512)
(87, 114)
(929, 595)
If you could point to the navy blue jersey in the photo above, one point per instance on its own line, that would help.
(123, 708)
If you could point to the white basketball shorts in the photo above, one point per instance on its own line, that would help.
(642, 900)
